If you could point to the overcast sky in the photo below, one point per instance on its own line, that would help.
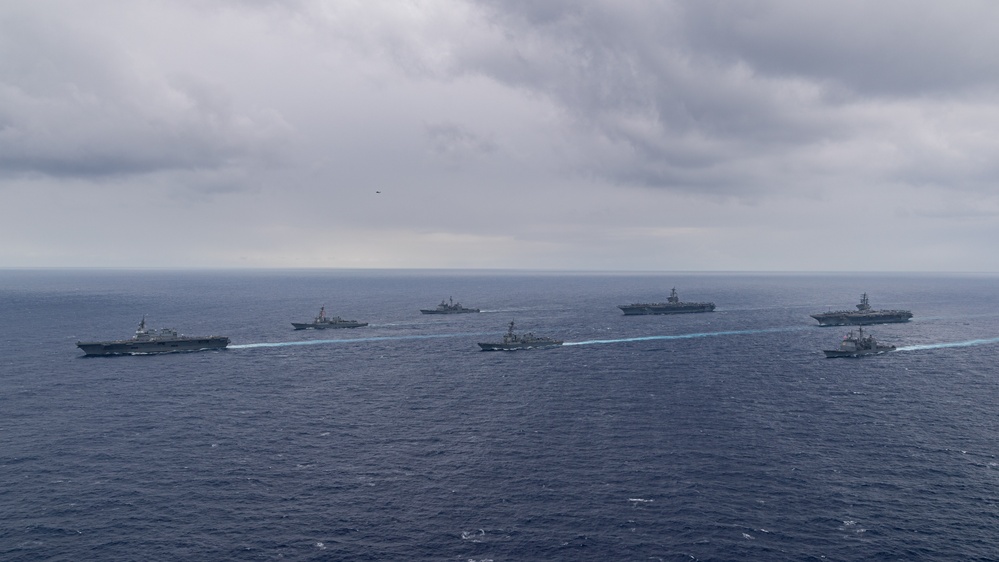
(605, 135)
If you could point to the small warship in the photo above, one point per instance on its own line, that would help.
(147, 341)
(671, 306)
(322, 322)
(449, 307)
(862, 316)
(856, 345)
(512, 341)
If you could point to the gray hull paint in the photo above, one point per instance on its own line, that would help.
(836, 353)
(513, 341)
(860, 319)
(327, 325)
(666, 308)
(130, 347)
(449, 307)
(516, 346)
(863, 316)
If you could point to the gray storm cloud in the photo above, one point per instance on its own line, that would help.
(644, 135)
(700, 92)
(74, 104)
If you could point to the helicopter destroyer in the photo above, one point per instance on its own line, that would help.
(671, 306)
(449, 307)
(146, 341)
(862, 316)
(512, 341)
(856, 345)
(322, 322)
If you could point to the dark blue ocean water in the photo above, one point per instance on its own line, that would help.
(722, 436)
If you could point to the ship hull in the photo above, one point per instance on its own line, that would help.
(830, 353)
(128, 347)
(655, 308)
(516, 346)
(314, 326)
(852, 319)
(465, 311)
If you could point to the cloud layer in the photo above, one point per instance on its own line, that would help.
(764, 135)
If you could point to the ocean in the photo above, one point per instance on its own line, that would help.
(716, 436)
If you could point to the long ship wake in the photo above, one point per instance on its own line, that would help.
(918, 347)
(462, 335)
(969, 343)
(687, 336)
(353, 340)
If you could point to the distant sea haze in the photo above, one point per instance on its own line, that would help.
(714, 436)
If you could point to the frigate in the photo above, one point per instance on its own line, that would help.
(671, 306)
(323, 322)
(512, 341)
(147, 341)
(857, 344)
(862, 316)
(449, 307)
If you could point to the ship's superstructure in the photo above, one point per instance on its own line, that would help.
(857, 344)
(512, 341)
(147, 341)
(449, 307)
(863, 316)
(323, 322)
(671, 306)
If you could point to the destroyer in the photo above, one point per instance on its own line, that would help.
(862, 316)
(449, 307)
(855, 345)
(512, 341)
(671, 306)
(147, 341)
(321, 322)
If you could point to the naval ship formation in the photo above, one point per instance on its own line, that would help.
(671, 306)
(153, 341)
(146, 341)
(862, 316)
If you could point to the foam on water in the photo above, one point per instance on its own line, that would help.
(476, 334)
(688, 336)
(352, 340)
(918, 347)
(968, 343)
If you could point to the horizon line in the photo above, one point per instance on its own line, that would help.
(500, 270)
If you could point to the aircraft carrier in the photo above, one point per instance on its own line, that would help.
(862, 316)
(146, 341)
(671, 306)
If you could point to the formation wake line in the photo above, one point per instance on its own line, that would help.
(919, 347)
(147, 341)
(693, 335)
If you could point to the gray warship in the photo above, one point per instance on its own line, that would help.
(671, 306)
(449, 307)
(146, 341)
(512, 341)
(862, 316)
(856, 345)
(323, 322)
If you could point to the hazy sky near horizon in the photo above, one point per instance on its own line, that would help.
(603, 135)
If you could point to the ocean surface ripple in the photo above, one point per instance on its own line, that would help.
(718, 436)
